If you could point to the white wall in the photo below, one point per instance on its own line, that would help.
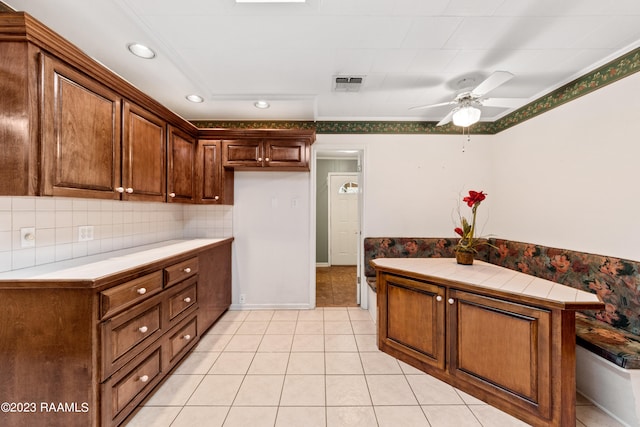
(272, 229)
(412, 183)
(570, 177)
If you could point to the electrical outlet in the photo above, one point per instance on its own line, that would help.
(27, 237)
(85, 233)
(243, 298)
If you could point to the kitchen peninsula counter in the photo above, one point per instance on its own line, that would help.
(503, 336)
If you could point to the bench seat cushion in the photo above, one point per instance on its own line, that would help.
(613, 344)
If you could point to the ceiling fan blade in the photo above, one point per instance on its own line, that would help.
(504, 102)
(442, 104)
(490, 83)
(446, 119)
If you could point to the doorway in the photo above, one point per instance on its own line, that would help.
(337, 228)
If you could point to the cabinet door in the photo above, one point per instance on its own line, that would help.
(242, 153)
(214, 285)
(412, 319)
(81, 134)
(214, 183)
(144, 148)
(502, 347)
(286, 154)
(181, 167)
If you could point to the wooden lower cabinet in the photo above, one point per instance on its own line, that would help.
(503, 352)
(87, 353)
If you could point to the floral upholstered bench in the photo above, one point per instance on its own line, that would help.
(409, 247)
(611, 334)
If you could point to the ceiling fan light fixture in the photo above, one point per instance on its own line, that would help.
(466, 116)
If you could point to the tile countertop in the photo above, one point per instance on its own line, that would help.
(489, 276)
(96, 266)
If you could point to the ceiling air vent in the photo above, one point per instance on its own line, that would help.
(348, 83)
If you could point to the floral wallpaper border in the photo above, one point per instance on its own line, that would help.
(615, 70)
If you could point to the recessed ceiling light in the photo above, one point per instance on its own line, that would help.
(261, 104)
(195, 98)
(141, 50)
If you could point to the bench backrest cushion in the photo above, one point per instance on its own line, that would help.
(414, 247)
(616, 281)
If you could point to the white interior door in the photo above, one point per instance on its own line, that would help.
(344, 224)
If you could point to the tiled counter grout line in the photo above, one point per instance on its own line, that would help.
(262, 368)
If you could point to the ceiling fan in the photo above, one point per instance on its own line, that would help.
(469, 100)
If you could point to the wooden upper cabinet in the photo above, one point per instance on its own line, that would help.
(181, 151)
(238, 153)
(286, 153)
(81, 134)
(282, 150)
(143, 155)
(214, 184)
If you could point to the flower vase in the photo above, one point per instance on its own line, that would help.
(464, 257)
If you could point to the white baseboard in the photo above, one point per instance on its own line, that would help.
(271, 307)
(323, 264)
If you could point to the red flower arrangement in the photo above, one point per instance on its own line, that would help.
(466, 231)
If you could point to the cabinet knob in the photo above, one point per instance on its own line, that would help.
(216, 198)
(187, 337)
(187, 300)
(438, 298)
(266, 159)
(129, 190)
(187, 270)
(450, 301)
(143, 329)
(144, 378)
(259, 159)
(141, 291)
(172, 194)
(120, 189)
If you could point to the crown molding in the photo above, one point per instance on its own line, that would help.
(602, 76)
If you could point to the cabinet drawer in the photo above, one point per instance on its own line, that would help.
(136, 330)
(129, 386)
(123, 333)
(181, 271)
(183, 298)
(119, 297)
(182, 339)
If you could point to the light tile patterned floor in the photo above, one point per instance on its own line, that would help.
(312, 368)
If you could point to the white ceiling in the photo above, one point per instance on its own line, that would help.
(411, 52)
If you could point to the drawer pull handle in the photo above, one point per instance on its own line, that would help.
(259, 159)
(450, 301)
(216, 198)
(266, 159)
(143, 329)
(144, 378)
(438, 298)
(187, 337)
(120, 189)
(141, 291)
(129, 190)
(187, 300)
(172, 195)
(187, 270)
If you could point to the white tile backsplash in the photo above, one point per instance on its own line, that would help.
(117, 225)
